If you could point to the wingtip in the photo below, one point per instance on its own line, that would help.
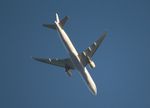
(67, 17)
(105, 33)
(33, 58)
(44, 25)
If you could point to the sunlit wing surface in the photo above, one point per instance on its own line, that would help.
(89, 52)
(57, 62)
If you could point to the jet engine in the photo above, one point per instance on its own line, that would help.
(68, 71)
(91, 63)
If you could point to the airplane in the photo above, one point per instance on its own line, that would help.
(76, 60)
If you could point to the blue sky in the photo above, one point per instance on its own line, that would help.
(122, 62)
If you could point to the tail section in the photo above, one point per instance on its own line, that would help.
(61, 22)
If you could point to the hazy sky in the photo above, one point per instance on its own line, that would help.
(122, 72)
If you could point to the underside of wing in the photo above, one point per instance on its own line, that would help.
(57, 62)
(89, 52)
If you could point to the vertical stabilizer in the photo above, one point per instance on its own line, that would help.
(57, 18)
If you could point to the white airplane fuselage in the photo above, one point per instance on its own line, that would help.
(75, 59)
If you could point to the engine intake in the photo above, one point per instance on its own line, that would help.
(92, 64)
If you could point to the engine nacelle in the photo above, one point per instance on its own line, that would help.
(92, 64)
(68, 71)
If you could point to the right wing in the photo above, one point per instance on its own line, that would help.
(57, 62)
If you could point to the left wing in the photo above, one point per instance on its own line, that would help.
(57, 62)
(86, 55)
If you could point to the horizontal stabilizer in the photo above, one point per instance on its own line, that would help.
(61, 22)
(52, 26)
